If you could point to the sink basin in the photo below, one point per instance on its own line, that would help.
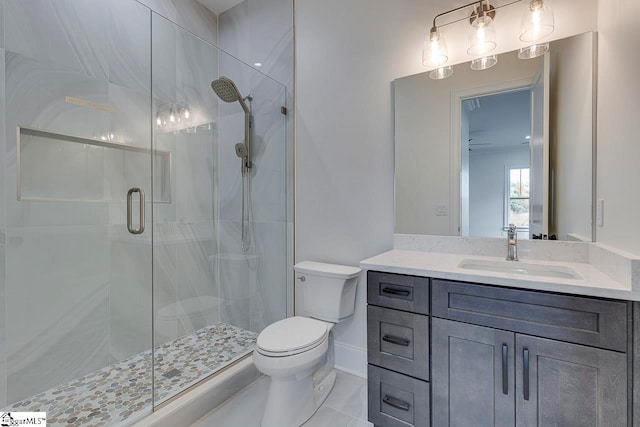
(517, 267)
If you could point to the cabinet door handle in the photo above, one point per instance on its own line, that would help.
(396, 403)
(392, 291)
(505, 369)
(396, 340)
(525, 373)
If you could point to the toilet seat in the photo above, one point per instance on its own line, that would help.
(291, 336)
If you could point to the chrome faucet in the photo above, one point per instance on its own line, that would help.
(512, 243)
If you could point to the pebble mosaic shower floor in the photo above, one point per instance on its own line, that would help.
(124, 390)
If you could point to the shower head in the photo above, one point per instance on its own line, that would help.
(227, 91)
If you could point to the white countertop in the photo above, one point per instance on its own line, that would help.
(592, 282)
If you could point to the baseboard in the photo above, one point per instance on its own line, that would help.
(203, 398)
(350, 359)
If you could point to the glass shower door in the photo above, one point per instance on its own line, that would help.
(77, 275)
(220, 239)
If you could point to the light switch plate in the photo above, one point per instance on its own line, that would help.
(442, 210)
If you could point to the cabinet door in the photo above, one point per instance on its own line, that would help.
(472, 372)
(569, 385)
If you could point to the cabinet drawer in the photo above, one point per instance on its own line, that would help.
(398, 340)
(396, 400)
(408, 293)
(580, 320)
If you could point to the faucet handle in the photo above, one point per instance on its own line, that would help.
(512, 228)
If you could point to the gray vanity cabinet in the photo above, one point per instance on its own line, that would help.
(398, 350)
(475, 369)
(455, 354)
(472, 378)
(565, 354)
(562, 384)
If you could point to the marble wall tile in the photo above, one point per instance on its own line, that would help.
(164, 35)
(189, 14)
(57, 306)
(260, 31)
(129, 51)
(269, 291)
(268, 176)
(165, 282)
(130, 294)
(37, 98)
(237, 271)
(193, 162)
(76, 33)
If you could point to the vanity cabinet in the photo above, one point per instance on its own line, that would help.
(490, 377)
(398, 350)
(447, 353)
(517, 357)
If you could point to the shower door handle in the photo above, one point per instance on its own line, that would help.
(140, 229)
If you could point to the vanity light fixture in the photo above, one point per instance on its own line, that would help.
(484, 63)
(441, 73)
(482, 35)
(537, 23)
(533, 51)
(434, 52)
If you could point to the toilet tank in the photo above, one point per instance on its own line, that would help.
(328, 290)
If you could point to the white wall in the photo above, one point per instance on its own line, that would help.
(347, 54)
(487, 188)
(571, 161)
(618, 174)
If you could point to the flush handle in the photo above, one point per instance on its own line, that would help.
(302, 278)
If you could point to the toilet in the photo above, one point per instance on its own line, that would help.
(297, 352)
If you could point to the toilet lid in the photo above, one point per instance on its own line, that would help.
(291, 334)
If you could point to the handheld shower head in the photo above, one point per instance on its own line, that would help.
(227, 91)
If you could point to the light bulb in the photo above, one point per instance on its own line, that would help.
(186, 113)
(537, 22)
(172, 116)
(158, 120)
(482, 37)
(434, 52)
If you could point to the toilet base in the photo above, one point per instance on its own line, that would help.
(292, 401)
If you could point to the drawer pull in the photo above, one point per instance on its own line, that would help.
(398, 292)
(525, 373)
(505, 369)
(396, 340)
(396, 403)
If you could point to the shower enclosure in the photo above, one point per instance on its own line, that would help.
(125, 277)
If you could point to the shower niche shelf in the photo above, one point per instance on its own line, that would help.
(59, 167)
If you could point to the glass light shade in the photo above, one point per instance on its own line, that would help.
(538, 21)
(484, 63)
(482, 36)
(533, 51)
(434, 52)
(441, 73)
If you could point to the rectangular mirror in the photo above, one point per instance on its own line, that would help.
(512, 144)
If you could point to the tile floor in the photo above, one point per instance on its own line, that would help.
(123, 390)
(346, 406)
